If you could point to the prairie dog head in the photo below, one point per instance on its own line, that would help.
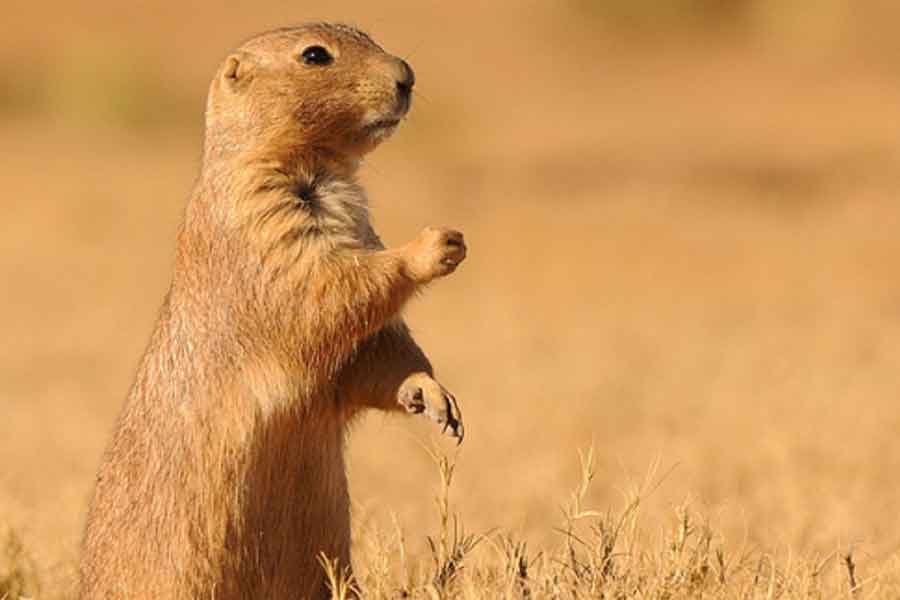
(318, 88)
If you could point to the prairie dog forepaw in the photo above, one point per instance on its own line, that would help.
(435, 253)
(420, 394)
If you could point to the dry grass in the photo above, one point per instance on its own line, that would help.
(600, 553)
(18, 573)
(683, 247)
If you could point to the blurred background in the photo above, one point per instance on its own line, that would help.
(683, 227)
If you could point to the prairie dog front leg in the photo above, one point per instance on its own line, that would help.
(366, 291)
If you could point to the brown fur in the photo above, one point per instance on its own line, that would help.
(225, 477)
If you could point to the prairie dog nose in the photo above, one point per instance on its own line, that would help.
(406, 78)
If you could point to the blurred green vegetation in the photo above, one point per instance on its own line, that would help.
(131, 88)
(96, 87)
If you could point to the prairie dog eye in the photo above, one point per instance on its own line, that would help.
(316, 55)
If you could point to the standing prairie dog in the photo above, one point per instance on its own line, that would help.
(225, 477)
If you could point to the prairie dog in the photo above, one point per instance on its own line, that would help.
(225, 476)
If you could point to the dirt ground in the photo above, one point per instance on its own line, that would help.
(683, 248)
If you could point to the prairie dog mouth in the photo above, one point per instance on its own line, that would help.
(382, 124)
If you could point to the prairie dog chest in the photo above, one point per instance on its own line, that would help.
(338, 211)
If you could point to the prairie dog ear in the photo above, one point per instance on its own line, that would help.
(237, 70)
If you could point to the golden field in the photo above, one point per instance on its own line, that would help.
(683, 229)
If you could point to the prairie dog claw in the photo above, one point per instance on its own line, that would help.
(420, 394)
